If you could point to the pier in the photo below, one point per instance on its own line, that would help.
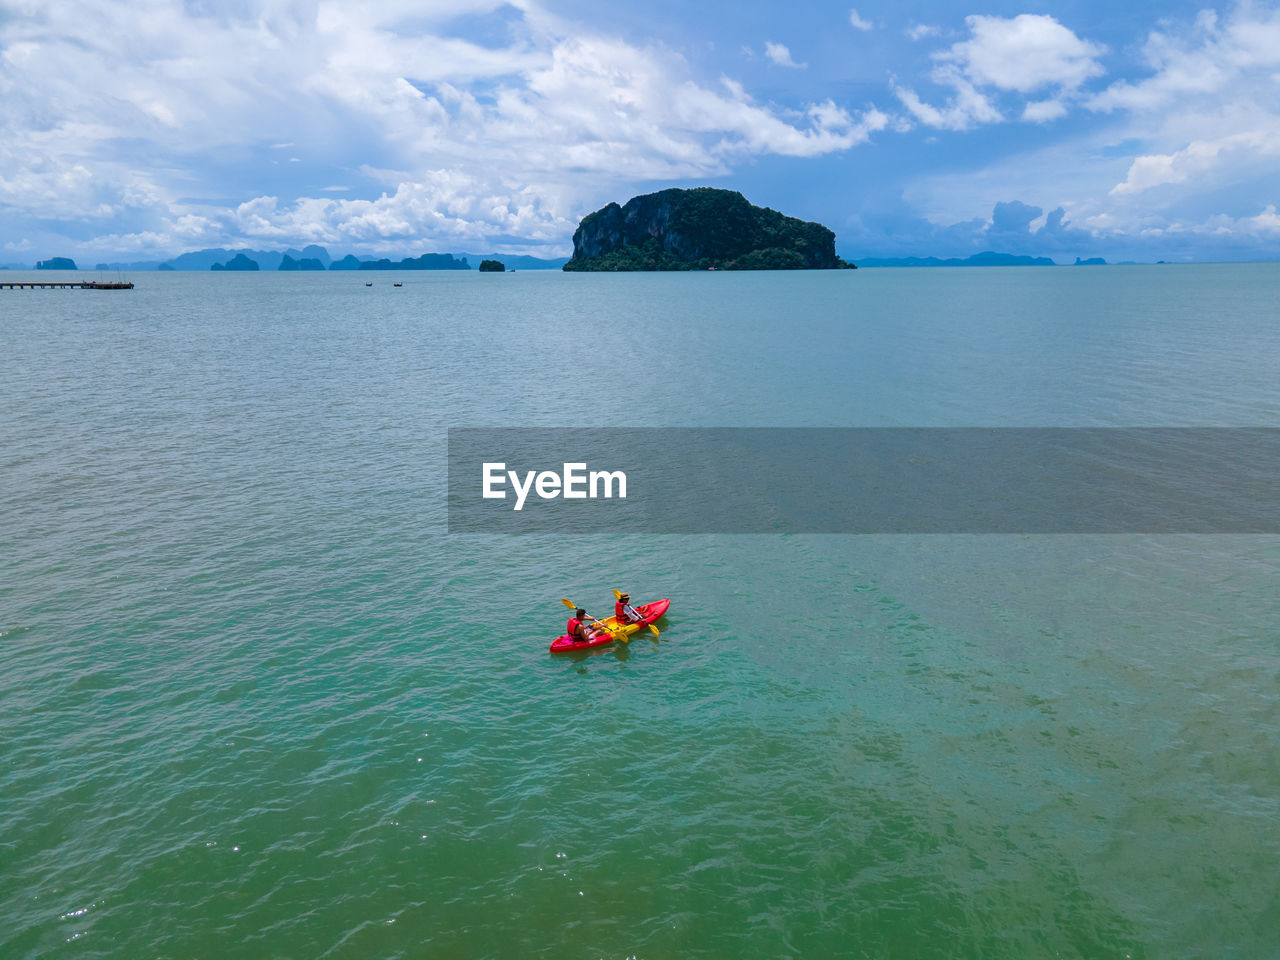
(64, 285)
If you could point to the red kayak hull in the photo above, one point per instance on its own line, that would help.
(650, 612)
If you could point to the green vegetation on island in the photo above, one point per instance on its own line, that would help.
(700, 229)
(492, 266)
(57, 263)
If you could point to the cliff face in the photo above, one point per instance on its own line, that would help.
(699, 229)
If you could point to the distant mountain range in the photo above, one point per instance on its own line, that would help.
(314, 257)
(987, 259)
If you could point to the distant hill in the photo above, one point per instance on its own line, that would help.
(238, 262)
(205, 259)
(134, 265)
(428, 261)
(987, 259)
(519, 261)
(57, 263)
(1091, 262)
(304, 263)
(699, 229)
(309, 256)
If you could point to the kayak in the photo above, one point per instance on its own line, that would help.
(650, 612)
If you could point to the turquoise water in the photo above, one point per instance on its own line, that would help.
(255, 702)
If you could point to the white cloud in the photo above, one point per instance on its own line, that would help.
(857, 22)
(780, 55)
(1041, 111)
(1198, 159)
(1268, 221)
(449, 206)
(966, 108)
(918, 31)
(1152, 171)
(1024, 54)
(1221, 227)
(1211, 58)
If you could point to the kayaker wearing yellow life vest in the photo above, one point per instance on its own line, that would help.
(624, 611)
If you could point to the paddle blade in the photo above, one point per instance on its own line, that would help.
(654, 630)
(569, 603)
(617, 594)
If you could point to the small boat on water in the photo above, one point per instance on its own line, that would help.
(368, 283)
(397, 284)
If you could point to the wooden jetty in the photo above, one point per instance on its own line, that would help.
(64, 285)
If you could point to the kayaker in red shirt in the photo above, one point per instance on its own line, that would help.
(624, 611)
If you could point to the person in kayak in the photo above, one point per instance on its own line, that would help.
(578, 629)
(624, 611)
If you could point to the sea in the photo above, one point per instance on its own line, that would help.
(257, 701)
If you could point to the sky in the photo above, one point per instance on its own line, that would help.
(1069, 128)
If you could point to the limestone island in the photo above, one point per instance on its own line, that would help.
(699, 229)
(238, 262)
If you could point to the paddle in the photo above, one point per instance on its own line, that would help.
(617, 595)
(617, 636)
